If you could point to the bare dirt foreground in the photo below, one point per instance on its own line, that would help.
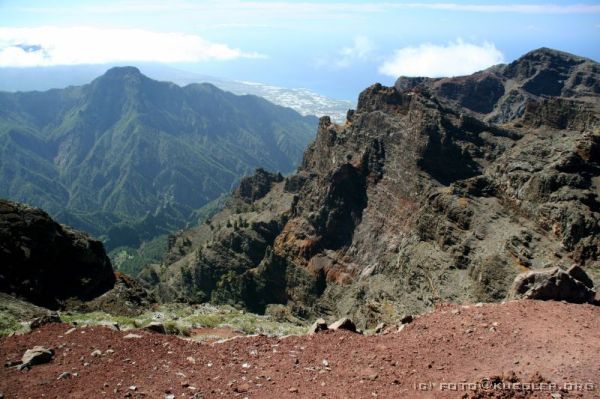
(550, 345)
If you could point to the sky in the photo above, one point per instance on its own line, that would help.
(336, 48)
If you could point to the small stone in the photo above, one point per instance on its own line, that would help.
(325, 363)
(64, 376)
(293, 390)
(169, 396)
(133, 388)
(110, 325)
(191, 359)
(132, 336)
(407, 319)
(96, 353)
(245, 387)
(246, 365)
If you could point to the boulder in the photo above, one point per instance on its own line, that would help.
(318, 325)
(343, 324)
(554, 284)
(36, 355)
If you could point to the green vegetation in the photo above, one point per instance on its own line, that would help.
(182, 319)
(128, 159)
(131, 261)
(9, 324)
(13, 311)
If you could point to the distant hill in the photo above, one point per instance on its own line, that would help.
(304, 101)
(129, 158)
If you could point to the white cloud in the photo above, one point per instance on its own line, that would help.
(359, 51)
(454, 59)
(44, 46)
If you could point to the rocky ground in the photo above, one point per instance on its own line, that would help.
(517, 341)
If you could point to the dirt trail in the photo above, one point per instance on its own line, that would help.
(537, 341)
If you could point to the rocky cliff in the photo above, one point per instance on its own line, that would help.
(47, 263)
(432, 190)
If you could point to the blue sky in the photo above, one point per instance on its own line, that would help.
(334, 47)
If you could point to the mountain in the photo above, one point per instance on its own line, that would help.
(303, 101)
(432, 191)
(129, 158)
(500, 94)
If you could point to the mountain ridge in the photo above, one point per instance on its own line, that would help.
(416, 199)
(128, 145)
(304, 101)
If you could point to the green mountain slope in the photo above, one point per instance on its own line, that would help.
(128, 158)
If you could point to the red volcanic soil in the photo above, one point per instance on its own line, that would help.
(526, 341)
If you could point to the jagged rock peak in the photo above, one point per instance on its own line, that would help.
(501, 93)
(254, 187)
(547, 54)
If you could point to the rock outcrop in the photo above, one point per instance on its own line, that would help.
(47, 263)
(433, 190)
(128, 297)
(572, 285)
(255, 187)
